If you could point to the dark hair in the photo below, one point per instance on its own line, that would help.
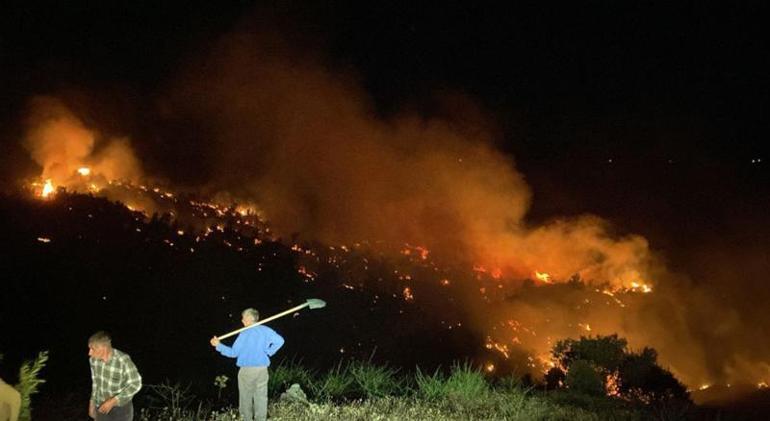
(100, 337)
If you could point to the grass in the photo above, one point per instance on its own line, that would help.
(336, 385)
(364, 391)
(374, 381)
(286, 373)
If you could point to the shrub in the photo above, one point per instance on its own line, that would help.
(583, 377)
(554, 378)
(172, 399)
(643, 379)
(606, 353)
(637, 375)
(29, 382)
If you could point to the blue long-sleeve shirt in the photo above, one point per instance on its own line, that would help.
(253, 347)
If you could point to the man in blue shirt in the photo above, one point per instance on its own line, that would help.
(253, 349)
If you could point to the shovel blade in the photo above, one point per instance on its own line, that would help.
(315, 303)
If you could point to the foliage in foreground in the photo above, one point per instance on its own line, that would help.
(29, 383)
(589, 371)
(362, 391)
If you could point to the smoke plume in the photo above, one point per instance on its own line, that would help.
(306, 143)
(63, 145)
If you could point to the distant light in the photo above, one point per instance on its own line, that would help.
(609, 160)
(44, 239)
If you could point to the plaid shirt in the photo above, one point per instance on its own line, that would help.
(117, 377)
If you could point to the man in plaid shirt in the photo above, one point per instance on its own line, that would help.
(114, 380)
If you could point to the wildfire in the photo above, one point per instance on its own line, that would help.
(48, 189)
(636, 286)
(501, 348)
(84, 171)
(495, 273)
(543, 277)
(611, 385)
(419, 251)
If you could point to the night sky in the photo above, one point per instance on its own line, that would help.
(654, 117)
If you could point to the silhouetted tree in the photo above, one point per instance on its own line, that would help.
(639, 376)
(642, 378)
(584, 377)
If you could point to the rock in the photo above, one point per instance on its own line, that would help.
(294, 394)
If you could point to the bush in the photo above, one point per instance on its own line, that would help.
(29, 382)
(643, 379)
(584, 378)
(606, 353)
(171, 399)
(638, 375)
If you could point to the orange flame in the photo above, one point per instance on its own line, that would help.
(543, 276)
(48, 189)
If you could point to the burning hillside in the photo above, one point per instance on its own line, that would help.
(421, 209)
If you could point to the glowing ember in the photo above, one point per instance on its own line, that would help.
(704, 386)
(490, 367)
(636, 286)
(408, 296)
(611, 386)
(501, 348)
(84, 171)
(423, 252)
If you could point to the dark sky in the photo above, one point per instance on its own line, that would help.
(653, 116)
